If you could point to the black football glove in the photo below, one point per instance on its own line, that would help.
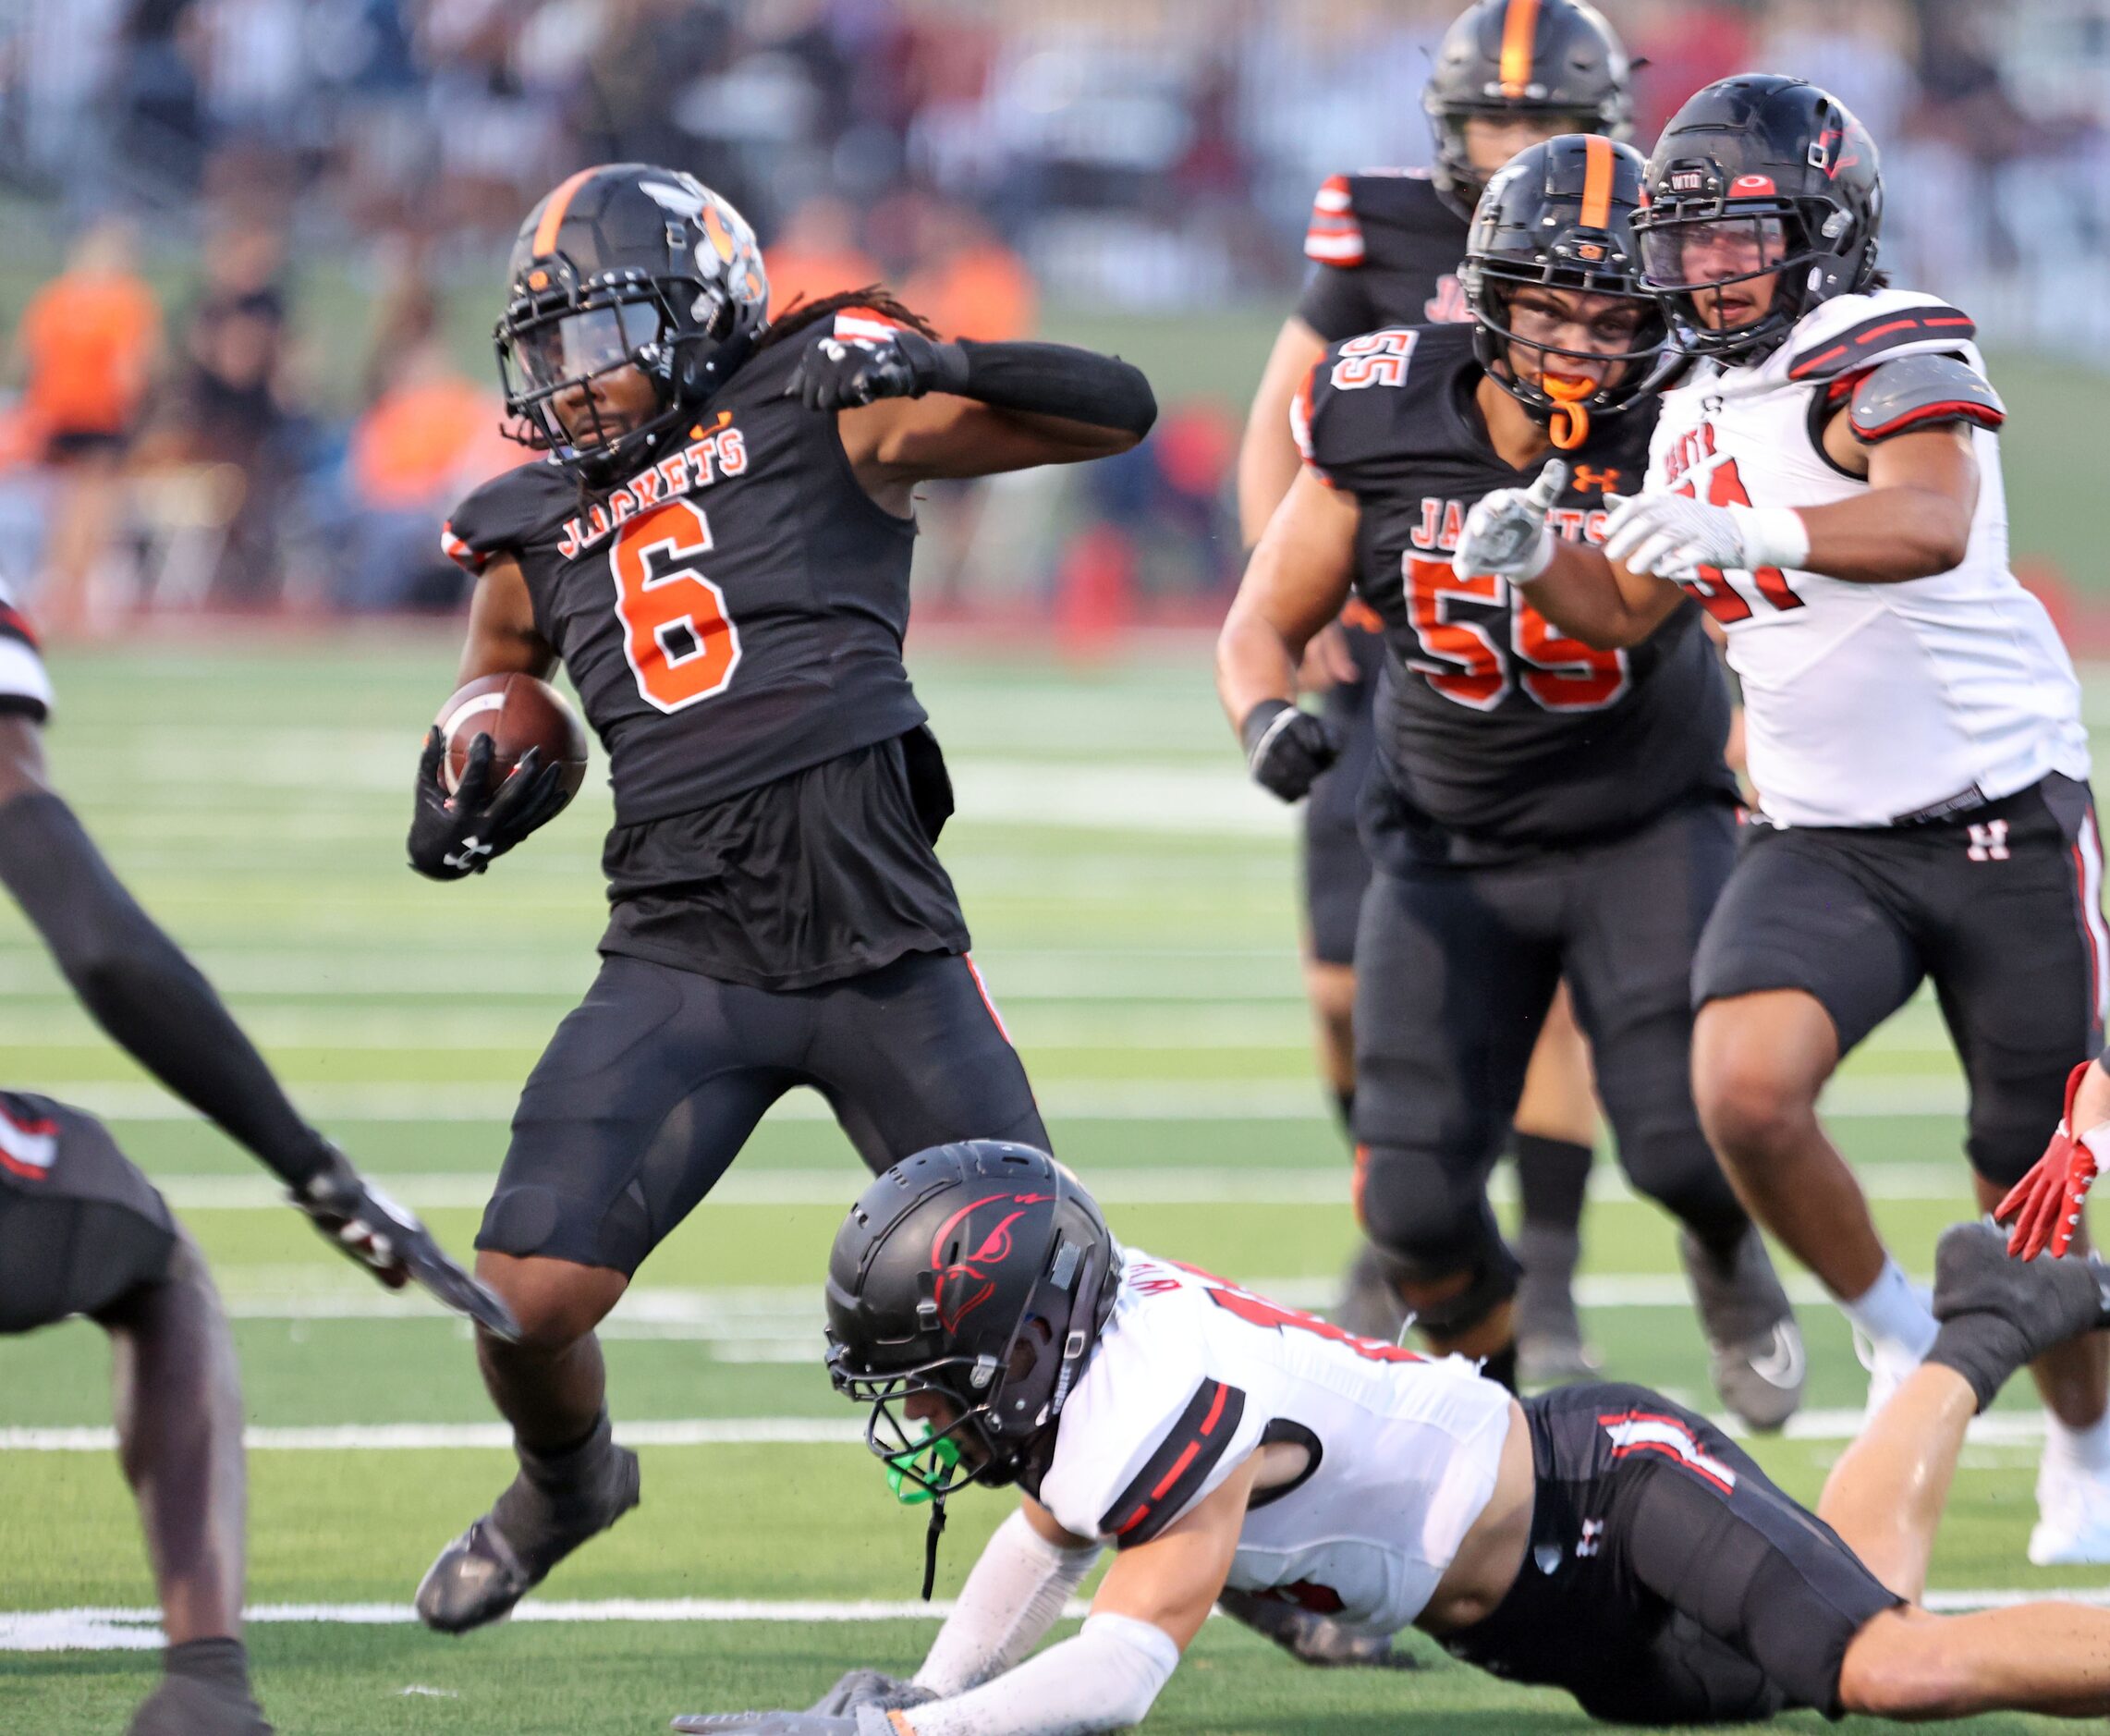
(462, 834)
(843, 372)
(363, 1223)
(1287, 748)
(870, 1687)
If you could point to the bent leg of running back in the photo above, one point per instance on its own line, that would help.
(1797, 964)
(644, 1096)
(915, 1055)
(1636, 907)
(1456, 970)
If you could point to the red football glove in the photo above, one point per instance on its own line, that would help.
(2044, 1206)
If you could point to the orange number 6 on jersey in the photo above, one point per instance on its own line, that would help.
(681, 644)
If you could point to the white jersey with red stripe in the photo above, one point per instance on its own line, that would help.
(1866, 705)
(25, 683)
(1192, 1374)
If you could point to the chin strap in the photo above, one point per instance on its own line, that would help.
(1569, 426)
(935, 1530)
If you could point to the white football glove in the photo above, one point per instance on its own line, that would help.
(1672, 536)
(1506, 531)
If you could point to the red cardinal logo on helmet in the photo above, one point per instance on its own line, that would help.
(962, 1285)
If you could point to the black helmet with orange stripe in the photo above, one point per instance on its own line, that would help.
(1554, 61)
(1759, 177)
(626, 265)
(1551, 251)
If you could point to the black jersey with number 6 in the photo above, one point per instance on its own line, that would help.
(732, 611)
(1497, 734)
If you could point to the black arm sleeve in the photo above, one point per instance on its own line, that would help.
(142, 990)
(1049, 379)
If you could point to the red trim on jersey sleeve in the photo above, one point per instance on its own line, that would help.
(1870, 337)
(1174, 1474)
(1334, 237)
(460, 553)
(875, 328)
(15, 625)
(1300, 424)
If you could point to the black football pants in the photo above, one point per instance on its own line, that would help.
(1455, 967)
(652, 1085)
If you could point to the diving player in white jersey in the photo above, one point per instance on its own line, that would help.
(1826, 481)
(1597, 1539)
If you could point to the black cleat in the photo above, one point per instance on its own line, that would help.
(184, 1705)
(536, 1522)
(1755, 1348)
(1311, 1638)
(1998, 1312)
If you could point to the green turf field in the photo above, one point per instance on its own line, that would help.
(1133, 913)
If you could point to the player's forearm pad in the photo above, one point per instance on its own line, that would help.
(1105, 1679)
(1050, 380)
(1012, 1597)
(141, 989)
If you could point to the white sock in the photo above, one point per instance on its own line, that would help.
(2086, 1449)
(1892, 1313)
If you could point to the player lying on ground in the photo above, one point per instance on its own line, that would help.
(1598, 1538)
(717, 547)
(1384, 246)
(1536, 809)
(1826, 482)
(83, 1232)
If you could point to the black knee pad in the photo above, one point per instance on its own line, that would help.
(2011, 1120)
(1428, 1226)
(1680, 1172)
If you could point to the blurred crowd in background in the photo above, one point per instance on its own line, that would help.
(257, 239)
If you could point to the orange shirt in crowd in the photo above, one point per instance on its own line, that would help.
(411, 445)
(795, 274)
(89, 342)
(984, 292)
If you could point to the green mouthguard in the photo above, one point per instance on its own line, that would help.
(932, 1458)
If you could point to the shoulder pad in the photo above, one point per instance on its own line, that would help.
(1923, 324)
(1922, 390)
(506, 511)
(1349, 407)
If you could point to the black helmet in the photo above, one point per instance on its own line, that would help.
(983, 1273)
(1784, 167)
(626, 265)
(1560, 214)
(1510, 58)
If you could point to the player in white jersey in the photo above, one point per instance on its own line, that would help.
(1827, 482)
(1597, 1538)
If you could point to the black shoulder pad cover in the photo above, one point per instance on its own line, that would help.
(1922, 391)
(1858, 345)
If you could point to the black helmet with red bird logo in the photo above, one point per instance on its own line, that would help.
(626, 265)
(980, 1272)
(1759, 176)
(1557, 61)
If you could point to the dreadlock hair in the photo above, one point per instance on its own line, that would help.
(802, 314)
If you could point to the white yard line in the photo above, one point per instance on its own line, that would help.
(137, 1630)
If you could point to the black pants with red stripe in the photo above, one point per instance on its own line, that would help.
(652, 1085)
(2000, 907)
(1668, 1581)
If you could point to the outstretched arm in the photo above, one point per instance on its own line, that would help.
(157, 1005)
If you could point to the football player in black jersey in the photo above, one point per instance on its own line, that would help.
(1538, 809)
(717, 546)
(83, 1232)
(1386, 248)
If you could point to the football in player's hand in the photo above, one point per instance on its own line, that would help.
(518, 713)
